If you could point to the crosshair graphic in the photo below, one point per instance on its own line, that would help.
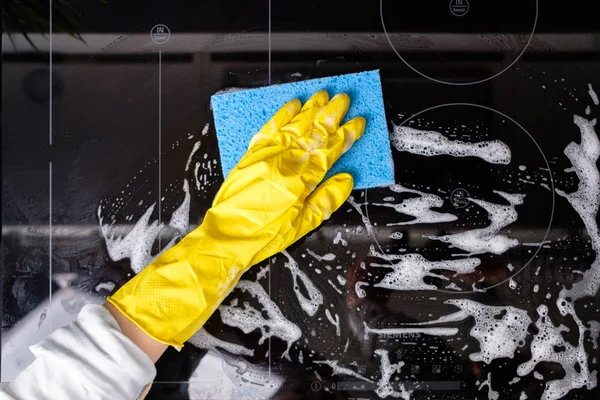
(545, 164)
(454, 5)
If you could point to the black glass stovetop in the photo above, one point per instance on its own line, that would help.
(474, 276)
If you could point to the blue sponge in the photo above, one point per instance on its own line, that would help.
(239, 115)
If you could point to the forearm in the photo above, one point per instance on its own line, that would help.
(91, 358)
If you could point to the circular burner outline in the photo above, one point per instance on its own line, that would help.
(535, 21)
(551, 191)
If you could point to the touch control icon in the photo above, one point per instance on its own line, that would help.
(160, 34)
(459, 7)
(459, 198)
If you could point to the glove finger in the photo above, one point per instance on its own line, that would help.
(278, 121)
(325, 126)
(326, 199)
(329, 117)
(303, 121)
(343, 139)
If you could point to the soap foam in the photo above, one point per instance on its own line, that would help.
(334, 321)
(180, 218)
(339, 240)
(418, 207)
(248, 319)
(492, 394)
(108, 286)
(431, 143)
(204, 340)
(594, 333)
(586, 199)
(194, 150)
(543, 348)
(387, 369)
(453, 286)
(498, 329)
(250, 381)
(411, 269)
(592, 94)
(338, 370)
(311, 304)
(360, 292)
(137, 243)
(487, 240)
(363, 216)
(326, 257)
(538, 376)
(333, 286)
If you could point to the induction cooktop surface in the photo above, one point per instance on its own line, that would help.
(475, 275)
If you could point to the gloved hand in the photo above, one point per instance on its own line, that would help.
(268, 201)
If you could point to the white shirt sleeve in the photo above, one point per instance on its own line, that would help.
(88, 359)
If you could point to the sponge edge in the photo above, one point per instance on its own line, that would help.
(239, 115)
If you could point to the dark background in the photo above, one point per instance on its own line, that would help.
(105, 132)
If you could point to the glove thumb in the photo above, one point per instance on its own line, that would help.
(321, 203)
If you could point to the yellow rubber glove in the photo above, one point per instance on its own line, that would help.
(268, 201)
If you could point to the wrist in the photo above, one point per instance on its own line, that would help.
(153, 348)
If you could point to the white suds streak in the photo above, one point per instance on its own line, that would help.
(586, 202)
(500, 330)
(248, 318)
(196, 175)
(536, 244)
(593, 94)
(586, 199)
(334, 321)
(189, 160)
(204, 340)
(432, 143)
(333, 286)
(108, 286)
(410, 272)
(488, 239)
(49, 246)
(363, 216)
(418, 207)
(360, 292)
(387, 369)
(492, 394)
(309, 304)
(339, 370)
